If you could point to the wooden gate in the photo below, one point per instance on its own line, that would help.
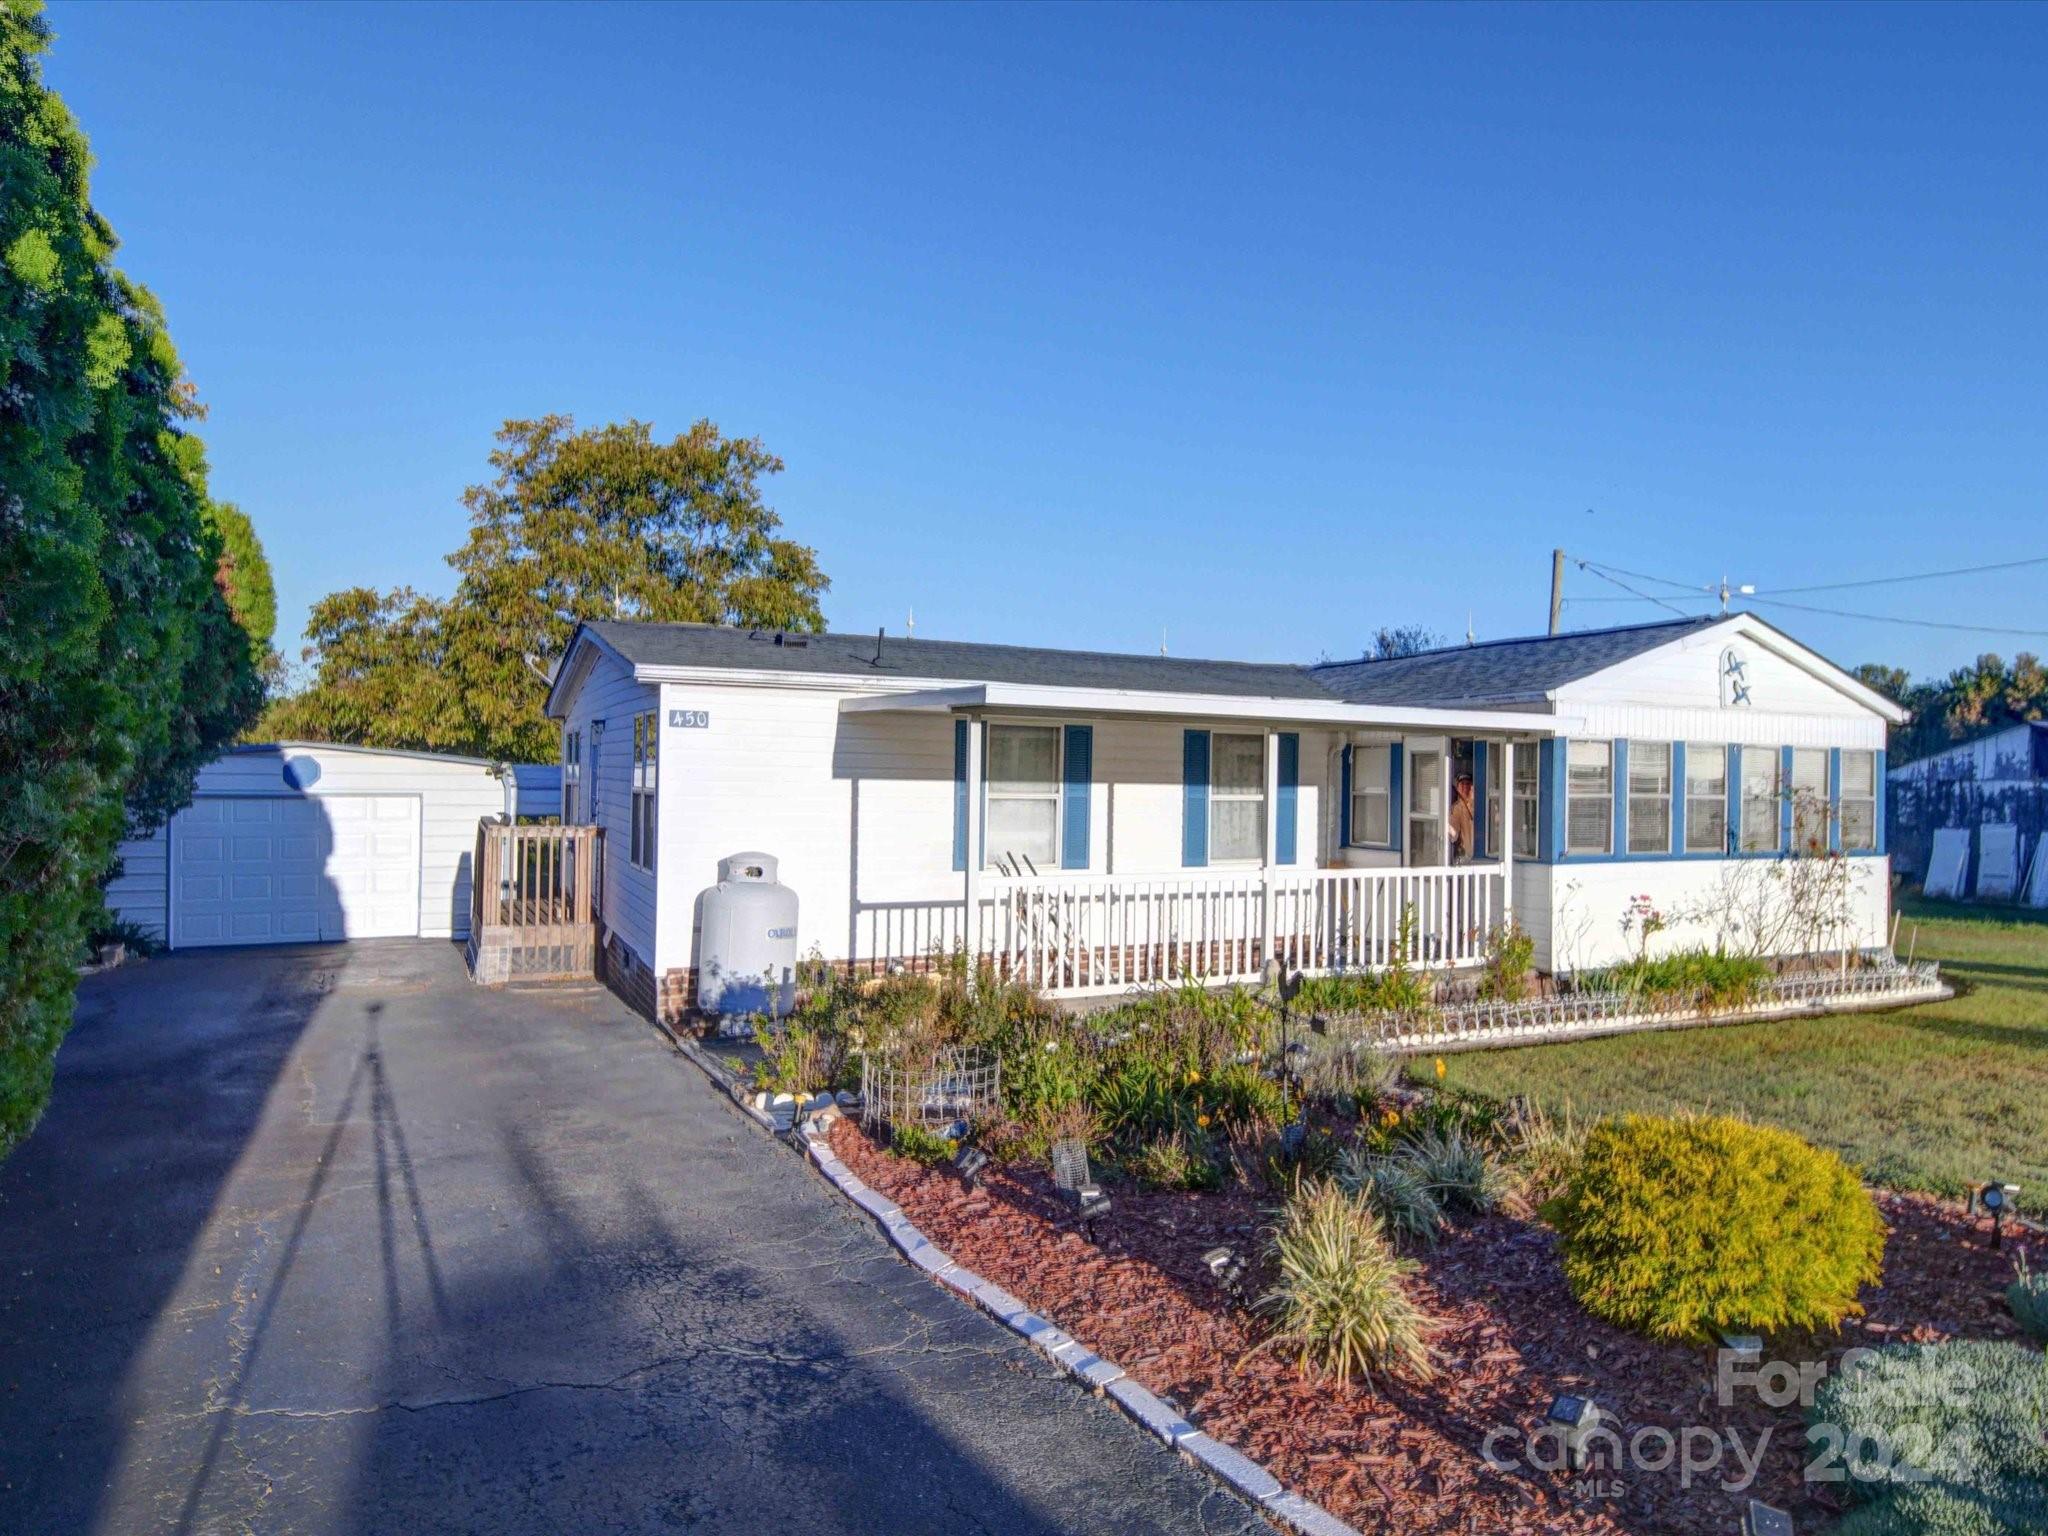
(534, 902)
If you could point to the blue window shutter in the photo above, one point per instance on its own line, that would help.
(1080, 784)
(960, 795)
(1834, 800)
(1785, 800)
(1194, 825)
(1397, 807)
(1480, 752)
(1344, 801)
(1550, 801)
(1880, 788)
(1290, 797)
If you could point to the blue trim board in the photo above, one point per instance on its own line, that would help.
(1078, 753)
(1397, 805)
(1678, 799)
(1550, 801)
(1194, 820)
(1344, 797)
(1784, 799)
(1833, 799)
(1287, 813)
(960, 795)
(1481, 750)
(1617, 785)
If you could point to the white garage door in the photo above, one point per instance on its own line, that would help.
(277, 870)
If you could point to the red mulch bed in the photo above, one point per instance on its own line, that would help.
(1407, 1456)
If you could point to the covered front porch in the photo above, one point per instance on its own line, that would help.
(1126, 840)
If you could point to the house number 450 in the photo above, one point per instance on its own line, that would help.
(690, 719)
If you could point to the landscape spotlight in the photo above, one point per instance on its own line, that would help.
(1997, 1199)
(1762, 1519)
(1578, 1417)
(968, 1162)
(1090, 1206)
(1227, 1265)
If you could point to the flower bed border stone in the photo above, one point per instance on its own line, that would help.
(1105, 1378)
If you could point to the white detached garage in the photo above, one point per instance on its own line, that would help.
(303, 842)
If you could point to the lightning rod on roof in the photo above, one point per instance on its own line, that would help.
(910, 621)
(1470, 638)
(1162, 639)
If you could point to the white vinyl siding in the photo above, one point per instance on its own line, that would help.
(1237, 798)
(1859, 801)
(1649, 797)
(1760, 831)
(1372, 769)
(1706, 797)
(1589, 797)
(1023, 797)
(1809, 800)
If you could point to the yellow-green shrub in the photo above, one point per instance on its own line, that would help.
(1682, 1227)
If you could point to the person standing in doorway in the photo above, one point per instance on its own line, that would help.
(1462, 810)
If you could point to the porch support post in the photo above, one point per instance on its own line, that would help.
(1507, 830)
(1271, 856)
(976, 841)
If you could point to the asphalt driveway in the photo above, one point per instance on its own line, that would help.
(328, 1240)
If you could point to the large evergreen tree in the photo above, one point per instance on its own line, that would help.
(121, 668)
(597, 524)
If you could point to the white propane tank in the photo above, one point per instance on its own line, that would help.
(746, 962)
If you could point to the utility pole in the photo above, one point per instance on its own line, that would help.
(1556, 588)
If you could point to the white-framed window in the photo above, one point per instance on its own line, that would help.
(1589, 797)
(1809, 800)
(1859, 801)
(1649, 797)
(646, 783)
(1023, 797)
(1237, 798)
(1372, 786)
(1528, 788)
(1706, 797)
(1760, 800)
(572, 774)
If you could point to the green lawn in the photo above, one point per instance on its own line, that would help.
(1940, 1097)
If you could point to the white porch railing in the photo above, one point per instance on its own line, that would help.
(1082, 935)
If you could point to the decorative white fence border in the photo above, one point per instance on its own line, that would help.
(1479, 1024)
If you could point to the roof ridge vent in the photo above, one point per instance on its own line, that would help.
(779, 637)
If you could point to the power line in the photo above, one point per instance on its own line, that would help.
(1886, 581)
(1594, 570)
(1893, 618)
(1662, 581)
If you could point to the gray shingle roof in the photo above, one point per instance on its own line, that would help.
(1499, 671)
(1491, 672)
(709, 645)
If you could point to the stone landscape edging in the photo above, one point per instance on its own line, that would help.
(1103, 1377)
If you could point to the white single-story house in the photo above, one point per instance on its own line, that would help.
(1091, 822)
(299, 842)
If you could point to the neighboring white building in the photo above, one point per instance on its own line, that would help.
(300, 842)
(1135, 817)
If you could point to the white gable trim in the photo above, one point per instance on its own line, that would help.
(1772, 639)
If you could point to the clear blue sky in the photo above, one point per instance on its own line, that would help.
(1258, 326)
